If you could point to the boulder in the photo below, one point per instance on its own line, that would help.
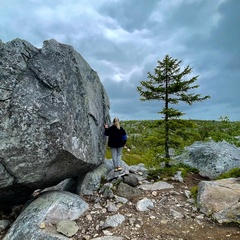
(131, 180)
(52, 109)
(220, 199)
(126, 191)
(38, 219)
(91, 181)
(211, 158)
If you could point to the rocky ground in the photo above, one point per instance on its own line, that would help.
(164, 221)
(173, 216)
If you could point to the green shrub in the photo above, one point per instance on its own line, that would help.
(233, 173)
(194, 192)
(160, 173)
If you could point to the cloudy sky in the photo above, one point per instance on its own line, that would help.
(123, 40)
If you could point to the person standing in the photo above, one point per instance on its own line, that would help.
(117, 138)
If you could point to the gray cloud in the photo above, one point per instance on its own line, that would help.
(124, 39)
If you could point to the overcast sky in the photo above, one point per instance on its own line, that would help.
(123, 40)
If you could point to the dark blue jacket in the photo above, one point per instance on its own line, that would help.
(116, 137)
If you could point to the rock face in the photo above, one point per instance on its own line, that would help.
(220, 199)
(211, 158)
(52, 109)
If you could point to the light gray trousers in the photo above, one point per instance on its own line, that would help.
(116, 156)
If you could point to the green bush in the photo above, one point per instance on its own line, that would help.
(194, 192)
(165, 172)
(233, 173)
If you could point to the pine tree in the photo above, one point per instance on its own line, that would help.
(169, 84)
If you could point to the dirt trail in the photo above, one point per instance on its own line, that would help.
(159, 223)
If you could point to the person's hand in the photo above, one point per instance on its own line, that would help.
(106, 126)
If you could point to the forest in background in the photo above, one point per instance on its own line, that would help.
(145, 142)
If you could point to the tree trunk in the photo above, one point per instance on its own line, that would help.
(166, 136)
(166, 120)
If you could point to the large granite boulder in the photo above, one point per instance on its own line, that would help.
(37, 220)
(220, 199)
(52, 110)
(211, 158)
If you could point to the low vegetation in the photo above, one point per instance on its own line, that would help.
(164, 172)
(233, 173)
(146, 140)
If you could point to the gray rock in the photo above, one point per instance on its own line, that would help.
(121, 199)
(49, 207)
(113, 221)
(126, 191)
(113, 175)
(140, 171)
(131, 180)
(4, 223)
(138, 168)
(178, 177)
(187, 193)
(220, 199)
(156, 186)
(144, 205)
(108, 193)
(108, 238)
(211, 158)
(176, 214)
(111, 207)
(65, 185)
(52, 109)
(67, 227)
(91, 181)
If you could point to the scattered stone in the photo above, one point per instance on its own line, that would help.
(107, 233)
(4, 224)
(164, 221)
(178, 177)
(86, 237)
(200, 217)
(121, 199)
(187, 193)
(114, 175)
(108, 238)
(156, 186)
(172, 192)
(154, 193)
(113, 221)
(131, 180)
(67, 227)
(176, 214)
(112, 207)
(89, 217)
(42, 225)
(126, 191)
(191, 200)
(144, 205)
